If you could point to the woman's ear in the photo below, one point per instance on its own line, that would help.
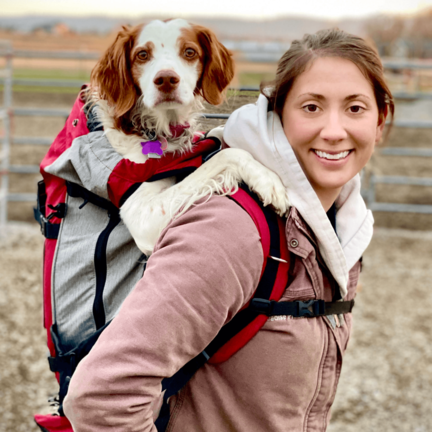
(218, 67)
(382, 117)
(112, 77)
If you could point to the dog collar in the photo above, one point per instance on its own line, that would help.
(178, 129)
(155, 147)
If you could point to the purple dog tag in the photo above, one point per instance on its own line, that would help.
(152, 148)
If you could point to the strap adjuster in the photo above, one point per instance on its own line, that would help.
(43, 221)
(48, 229)
(262, 306)
(311, 308)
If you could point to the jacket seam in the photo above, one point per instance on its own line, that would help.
(314, 278)
(174, 413)
(319, 380)
(338, 372)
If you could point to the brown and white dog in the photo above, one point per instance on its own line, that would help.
(151, 81)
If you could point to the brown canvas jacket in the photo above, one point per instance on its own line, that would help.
(205, 267)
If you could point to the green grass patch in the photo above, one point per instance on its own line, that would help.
(42, 89)
(246, 79)
(234, 92)
(49, 74)
(254, 79)
(61, 74)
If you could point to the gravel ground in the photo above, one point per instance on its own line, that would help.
(386, 381)
(386, 378)
(25, 379)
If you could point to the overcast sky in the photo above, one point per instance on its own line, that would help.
(238, 8)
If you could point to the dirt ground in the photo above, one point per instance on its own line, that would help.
(386, 380)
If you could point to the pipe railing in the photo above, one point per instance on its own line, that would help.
(6, 112)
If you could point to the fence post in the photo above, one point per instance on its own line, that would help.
(371, 191)
(6, 135)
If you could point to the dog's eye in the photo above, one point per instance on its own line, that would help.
(143, 55)
(189, 53)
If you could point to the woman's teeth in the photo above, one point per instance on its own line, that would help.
(325, 155)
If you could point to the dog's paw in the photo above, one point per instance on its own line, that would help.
(268, 186)
(236, 165)
(263, 181)
(145, 213)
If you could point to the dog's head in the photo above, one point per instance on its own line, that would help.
(167, 63)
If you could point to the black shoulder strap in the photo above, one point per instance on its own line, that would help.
(76, 191)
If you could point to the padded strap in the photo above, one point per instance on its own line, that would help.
(244, 325)
(274, 278)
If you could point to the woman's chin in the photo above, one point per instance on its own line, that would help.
(331, 183)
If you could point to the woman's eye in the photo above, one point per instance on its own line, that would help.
(143, 55)
(189, 53)
(355, 109)
(311, 108)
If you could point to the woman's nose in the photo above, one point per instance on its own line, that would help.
(333, 129)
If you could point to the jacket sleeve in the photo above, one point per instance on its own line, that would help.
(205, 267)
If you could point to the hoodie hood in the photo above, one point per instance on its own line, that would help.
(260, 132)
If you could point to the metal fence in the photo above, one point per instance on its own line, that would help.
(5, 115)
(7, 112)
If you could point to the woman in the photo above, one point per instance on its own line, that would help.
(316, 126)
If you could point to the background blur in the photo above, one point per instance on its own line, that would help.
(47, 50)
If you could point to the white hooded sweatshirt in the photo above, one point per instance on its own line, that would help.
(254, 129)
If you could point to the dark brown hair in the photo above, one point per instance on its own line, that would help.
(328, 43)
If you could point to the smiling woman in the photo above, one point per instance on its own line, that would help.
(331, 120)
(332, 99)
(316, 125)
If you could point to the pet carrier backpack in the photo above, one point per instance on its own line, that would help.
(91, 262)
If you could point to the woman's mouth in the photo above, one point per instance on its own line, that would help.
(332, 156)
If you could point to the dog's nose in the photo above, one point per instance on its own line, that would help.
(166, 81)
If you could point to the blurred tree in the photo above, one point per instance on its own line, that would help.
(390, 33)
(384, 31)
(420, 34)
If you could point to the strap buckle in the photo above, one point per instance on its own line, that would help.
(48, 229)
(43, 221)
(311, 308)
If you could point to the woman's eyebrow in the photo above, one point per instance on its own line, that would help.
(313, 95)
(321, 97)
(356, 96)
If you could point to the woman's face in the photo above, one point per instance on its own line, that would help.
(330, 118)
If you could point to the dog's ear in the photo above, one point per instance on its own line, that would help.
(218, 67)
(112, 76)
